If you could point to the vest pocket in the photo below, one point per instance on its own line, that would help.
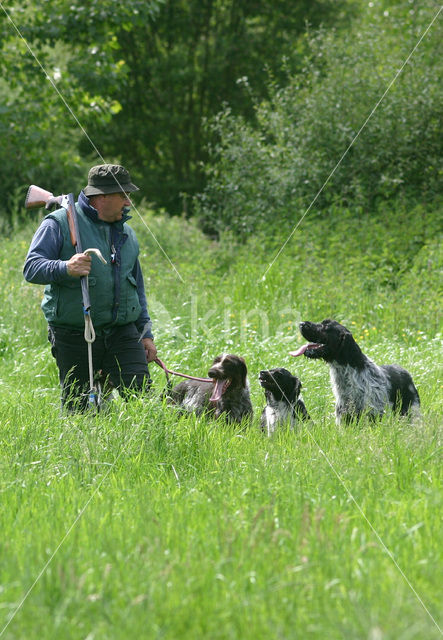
(133, 307)
(62, 302)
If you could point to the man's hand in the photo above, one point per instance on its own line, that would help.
(150, 349)
(79, 265)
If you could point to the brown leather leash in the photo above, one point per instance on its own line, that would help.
(169, 372)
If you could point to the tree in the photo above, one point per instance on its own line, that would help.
(143, 76)
(274, 167)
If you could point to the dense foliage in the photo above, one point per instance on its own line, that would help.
(133, 81)
(357, 127)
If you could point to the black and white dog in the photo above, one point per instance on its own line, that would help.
(227, 394)
(359, 385)
(284, 403)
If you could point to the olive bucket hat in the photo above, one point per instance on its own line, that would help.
(108, 178)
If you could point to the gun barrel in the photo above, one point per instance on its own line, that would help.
(37, 197)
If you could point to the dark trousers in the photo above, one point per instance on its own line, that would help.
(118, 355)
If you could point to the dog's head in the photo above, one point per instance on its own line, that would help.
(228, 372)
(330, 341)
(281, 383)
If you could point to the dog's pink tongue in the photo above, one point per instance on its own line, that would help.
(300, 351)
(218, 390)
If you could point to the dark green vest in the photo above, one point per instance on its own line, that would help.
(112, 287)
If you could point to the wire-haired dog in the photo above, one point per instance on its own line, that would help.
(359, 385)
(228, 394)
(284, 403)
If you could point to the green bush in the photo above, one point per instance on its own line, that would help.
(273, 170)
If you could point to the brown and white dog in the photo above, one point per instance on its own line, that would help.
(227, 394)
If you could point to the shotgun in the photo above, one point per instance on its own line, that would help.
(38, 197)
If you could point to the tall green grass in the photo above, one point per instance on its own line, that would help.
(142, 523)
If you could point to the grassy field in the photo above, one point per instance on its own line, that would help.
(145, 524)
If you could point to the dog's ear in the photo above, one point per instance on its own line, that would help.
(350, 349)
(295, 391)
(297, 386)
(346, 341)
(242, 369)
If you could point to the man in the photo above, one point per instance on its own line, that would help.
(124, 341)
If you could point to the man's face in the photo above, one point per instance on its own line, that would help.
(111, 206)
